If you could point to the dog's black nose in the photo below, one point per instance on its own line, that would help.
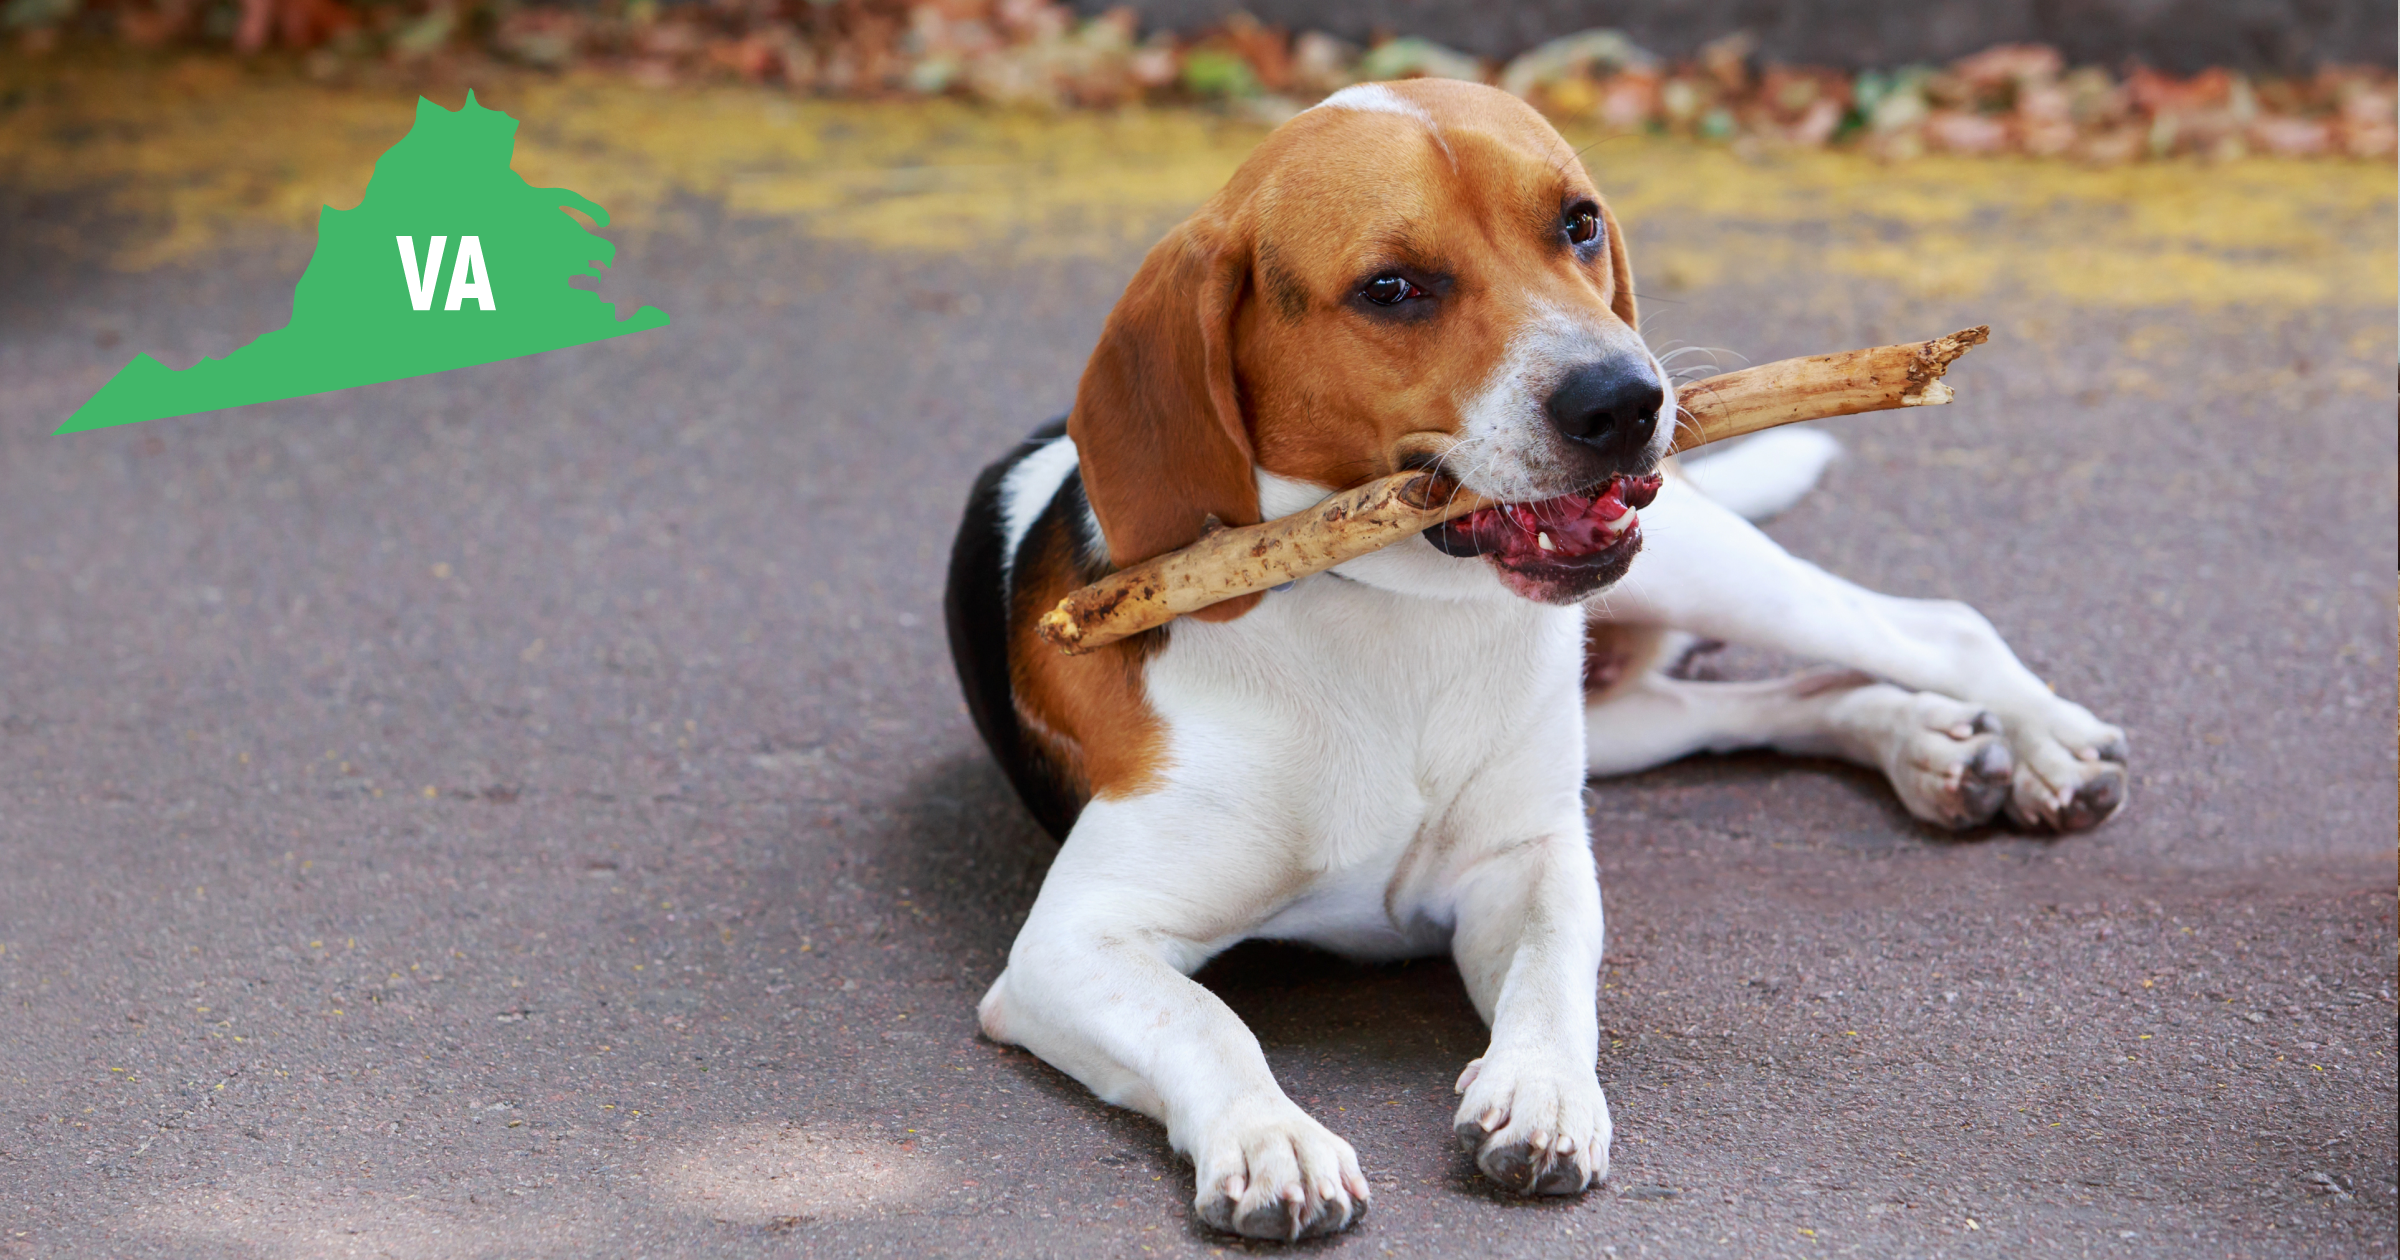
(1610, 406)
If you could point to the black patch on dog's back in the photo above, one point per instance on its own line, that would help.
(976, 609)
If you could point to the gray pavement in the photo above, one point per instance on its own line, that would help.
(528, 812)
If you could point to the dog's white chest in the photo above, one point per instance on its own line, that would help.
(1341, 729)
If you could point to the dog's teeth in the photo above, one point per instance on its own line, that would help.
(1544, 539)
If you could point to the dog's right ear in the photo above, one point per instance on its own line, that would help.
(1158, 424)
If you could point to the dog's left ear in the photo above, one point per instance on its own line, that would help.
(1620, 265)
(1158, 424)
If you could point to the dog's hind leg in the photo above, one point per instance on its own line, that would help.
(1707, 571)
(1764, 475)
(1945, 759)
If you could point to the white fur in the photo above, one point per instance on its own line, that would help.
(1375, 98)
(1705, 571)
(1388, 760)
(1507, 448)
(1411, 566)
(1028, 488)
(1379, 773)
(1765, 475)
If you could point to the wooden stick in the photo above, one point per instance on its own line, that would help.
(1820, 387)
(1226, 562)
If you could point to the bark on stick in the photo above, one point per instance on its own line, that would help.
(1226, 562)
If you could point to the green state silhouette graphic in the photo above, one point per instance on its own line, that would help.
(381, 301)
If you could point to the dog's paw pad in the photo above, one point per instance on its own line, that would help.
(1278, 1175)
(1533, 1130)
(1951, 765)
(2089, 796)
(2071, 770)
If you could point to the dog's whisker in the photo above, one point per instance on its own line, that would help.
(1713, 353)
(1486, 462)
(1684, 416)
(1448, 463)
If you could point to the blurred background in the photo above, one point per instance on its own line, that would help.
(2107, 81)
(527, 810)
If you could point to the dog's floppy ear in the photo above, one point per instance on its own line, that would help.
(1620, 265)
(1157, 423)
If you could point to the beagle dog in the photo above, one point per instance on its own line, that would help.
(1388, 760)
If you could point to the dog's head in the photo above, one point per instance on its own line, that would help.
(1408, 273)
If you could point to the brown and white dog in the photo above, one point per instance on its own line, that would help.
(1388, 759)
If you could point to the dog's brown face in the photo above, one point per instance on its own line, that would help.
(1408, 272)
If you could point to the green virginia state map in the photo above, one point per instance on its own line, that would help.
(450, 260)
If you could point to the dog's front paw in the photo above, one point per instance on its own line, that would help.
(2070, 768)
(1269, 1171)
(1536, 1129)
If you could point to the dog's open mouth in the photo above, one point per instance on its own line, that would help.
(1560, 548)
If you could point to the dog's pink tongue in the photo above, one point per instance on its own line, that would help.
(1567, 527)
(1572, 526)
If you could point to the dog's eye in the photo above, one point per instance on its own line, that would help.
(1391, 290)
(1583, 224)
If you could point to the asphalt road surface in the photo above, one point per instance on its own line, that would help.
(528, 812)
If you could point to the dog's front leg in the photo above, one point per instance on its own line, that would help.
(1097, 984)
(1528, 941)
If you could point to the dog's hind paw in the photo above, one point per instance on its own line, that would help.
(1534, 1129)
(1277, 1174)
(2070, 768)
(1947, 760)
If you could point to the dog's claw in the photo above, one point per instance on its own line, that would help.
(2094, 801)
(1986, 783)
(1536, 1131)
(1272, 1172)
